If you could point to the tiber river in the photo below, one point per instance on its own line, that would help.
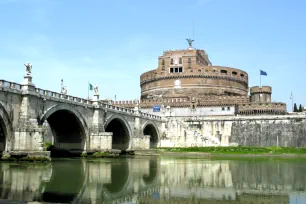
(155, 180)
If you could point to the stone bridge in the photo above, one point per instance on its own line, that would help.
(30, 117)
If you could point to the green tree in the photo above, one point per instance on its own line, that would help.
(300, 108)
(295, 108)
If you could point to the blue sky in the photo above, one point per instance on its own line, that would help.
(112, 42)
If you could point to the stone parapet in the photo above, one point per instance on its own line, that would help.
(262, 108)
(263, 89)
(202, 71)
(185, 102)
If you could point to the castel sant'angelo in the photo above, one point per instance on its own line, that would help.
(186, 82)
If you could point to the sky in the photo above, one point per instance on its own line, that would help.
(112, 42)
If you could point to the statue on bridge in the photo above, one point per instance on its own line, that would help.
(28, 68)
(64, 90)
(96, 89)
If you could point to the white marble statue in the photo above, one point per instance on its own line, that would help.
(96, 89)
(64, 90)
(28, 68)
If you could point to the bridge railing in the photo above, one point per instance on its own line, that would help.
(109, 106)
(10, 85)
(16, 86)
(128, 110)
(62, 96)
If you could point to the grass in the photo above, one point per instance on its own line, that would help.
(239, 150)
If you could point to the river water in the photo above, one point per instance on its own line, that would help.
(155, 180)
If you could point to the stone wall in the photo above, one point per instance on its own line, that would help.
(287, 131)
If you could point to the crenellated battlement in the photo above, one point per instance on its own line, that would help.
(263, 89)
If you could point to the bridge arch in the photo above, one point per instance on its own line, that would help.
(68, 127)
(6, 130)
(121, 130)
(150, 128)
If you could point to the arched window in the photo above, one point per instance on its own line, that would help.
(234, 73)
(223, 71)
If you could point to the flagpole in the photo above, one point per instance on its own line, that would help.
(292, 101)
(88, 90)
(260, 77)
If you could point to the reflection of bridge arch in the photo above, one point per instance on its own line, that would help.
(150, 128)
(6, 130)
(119, 184)
(68, 126)
(67, 181)
(121, 130)
(153, 172)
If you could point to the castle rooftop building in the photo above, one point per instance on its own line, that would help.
(185, 83)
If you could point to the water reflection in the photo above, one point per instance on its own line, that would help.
(155, 179)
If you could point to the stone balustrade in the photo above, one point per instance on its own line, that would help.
(10, 85)
(55, 95)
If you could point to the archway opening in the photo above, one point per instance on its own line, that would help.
(151, 130)
(121, 137)
(67, 130)
(2, 135)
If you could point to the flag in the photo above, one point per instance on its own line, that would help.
(263, 73)
(90, 87)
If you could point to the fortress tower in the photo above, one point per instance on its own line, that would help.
(186, 83)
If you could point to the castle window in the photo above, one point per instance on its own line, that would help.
(234, 73)
(180, 69)
(223, 109)
(180, 61)
(171, 61)
(189, 60)
(242, 75)
(163, 68)
(176, 69)
(171, 70)
(163, 62)
(223, 71)
(228, 108)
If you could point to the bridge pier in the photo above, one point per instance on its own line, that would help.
(99, 140)
(141, 142)
(28, 136)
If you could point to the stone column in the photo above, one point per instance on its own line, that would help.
(99, 140)
(28, 136)
(138, 135)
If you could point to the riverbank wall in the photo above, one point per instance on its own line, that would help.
(260, 131)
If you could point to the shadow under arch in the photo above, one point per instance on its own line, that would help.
(66, 182)
(6, 130)
(150, 128)
(121, 130)
(120, 179)
(69, 128)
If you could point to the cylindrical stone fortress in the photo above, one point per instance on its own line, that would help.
(186, 73)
